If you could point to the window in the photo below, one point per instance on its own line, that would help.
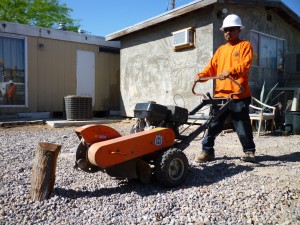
(268, 51)
(12, 71)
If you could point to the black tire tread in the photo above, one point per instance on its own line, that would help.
(162, 164)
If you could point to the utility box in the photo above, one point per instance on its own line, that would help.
(292, 118)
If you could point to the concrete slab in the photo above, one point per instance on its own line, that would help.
(64, 123)
(35, 115)
(14, 123)
(56, 123)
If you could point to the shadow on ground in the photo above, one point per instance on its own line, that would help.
(198, 176)
(293, 157)
(202, 175)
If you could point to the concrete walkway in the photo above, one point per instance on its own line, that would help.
(57, 122)
(64, 123)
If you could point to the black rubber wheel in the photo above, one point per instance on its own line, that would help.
(171, 168)
(82, 162)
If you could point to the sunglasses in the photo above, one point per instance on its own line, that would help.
(230, 29)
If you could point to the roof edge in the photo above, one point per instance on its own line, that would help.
(33, 31)
(160, 18)
(199, 4)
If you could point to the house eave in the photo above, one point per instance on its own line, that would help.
(277, 6)
(50, 33)
(160, 18)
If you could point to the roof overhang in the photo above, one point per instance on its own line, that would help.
(194, 5)
(277, 6)
(50, 33)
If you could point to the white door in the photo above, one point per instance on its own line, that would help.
(86, 74)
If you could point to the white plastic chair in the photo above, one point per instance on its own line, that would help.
(258, 112)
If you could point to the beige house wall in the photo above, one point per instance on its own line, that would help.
(152, 71)
(51, 73)
(108, 73)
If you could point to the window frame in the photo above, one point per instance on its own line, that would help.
(259, 47)
(25, 39)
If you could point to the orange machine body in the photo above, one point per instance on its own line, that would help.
(122, 149)
(96, 133)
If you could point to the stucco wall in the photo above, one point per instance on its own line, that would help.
(152, 71)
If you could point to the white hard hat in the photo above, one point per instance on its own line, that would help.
(232, 20)
(10, 82)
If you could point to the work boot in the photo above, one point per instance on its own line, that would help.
(204, 157)
(248, 157)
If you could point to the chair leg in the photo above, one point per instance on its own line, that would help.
(259, 127)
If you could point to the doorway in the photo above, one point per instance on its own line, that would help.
(85, 73)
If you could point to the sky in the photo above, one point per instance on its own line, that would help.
(104, 17)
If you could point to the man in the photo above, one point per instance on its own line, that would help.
(231, 59)
(10, 93)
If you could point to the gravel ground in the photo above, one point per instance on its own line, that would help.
(225, 191)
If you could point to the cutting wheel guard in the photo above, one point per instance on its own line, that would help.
(119, 150)
(95, 133)
(216, 77)
(88, 135)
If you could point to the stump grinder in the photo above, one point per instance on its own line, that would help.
(154, 146)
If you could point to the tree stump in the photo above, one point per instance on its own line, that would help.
(43, 171)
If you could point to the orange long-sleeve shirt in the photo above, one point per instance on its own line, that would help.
(236, 60)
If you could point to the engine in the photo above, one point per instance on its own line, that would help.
(150, 115)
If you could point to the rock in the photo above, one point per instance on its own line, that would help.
(224, 191)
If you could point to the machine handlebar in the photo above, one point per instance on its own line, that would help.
(217, 77)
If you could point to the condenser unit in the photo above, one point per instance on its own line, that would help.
(78, 107)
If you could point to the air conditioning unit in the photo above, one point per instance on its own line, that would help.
(184, 38)
(78, 107)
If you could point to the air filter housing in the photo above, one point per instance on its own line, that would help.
(78, 107)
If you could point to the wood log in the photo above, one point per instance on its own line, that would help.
(43, 171)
